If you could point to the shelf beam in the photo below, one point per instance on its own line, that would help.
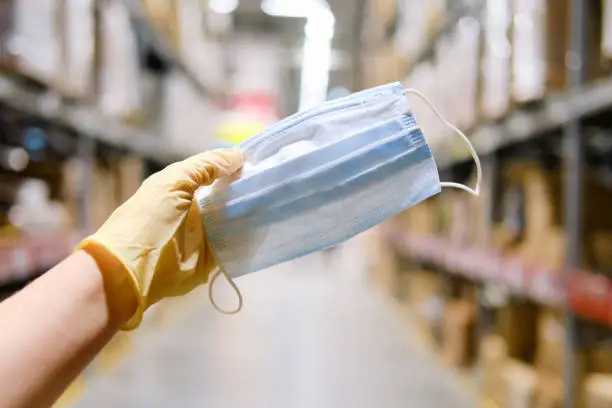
(88, 121)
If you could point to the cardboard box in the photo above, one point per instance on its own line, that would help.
(418, 22)
(598, 391)
(420, 219)
(520, 384)
(549, 392)
(382, 261)
(550, 352)
(78, 48)
(600, 360)
(597, 63)
(468, 46)
(606, 40)
(130, 173)
(69, 193)
(540, 35)
(385, 11)
(164, 16)
(119, 89)
(543, 215)
(422, 285)
(538, 213)
(424, 296)
(458, 231)
(492, 356)
(480, 218)
(425, 77)
(521, 343)
(103, 195)
(496, 61)
(31, 39)
(459, 332)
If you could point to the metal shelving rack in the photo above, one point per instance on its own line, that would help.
(584, 296)
(23, 260)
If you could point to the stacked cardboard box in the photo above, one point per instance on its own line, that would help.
(31, 38)
(606, 41)
(110, 185)
(164, 16)
(540, 36)
(417, 24)
(492, 356)
(119, 88)
(497, 53)
(425, 299)
(51, 42)
(549, 392)
(600, 359)
(130, 174)
(424, 78)
(519, 385)
(78, 48)
(550, 359)
(467, 66)
(539, 212)
(421, 219)
(598, 391)
(204, 51)
(382, 260)
(384, 11)
(451, 82)
(521, 343)
(543, 215)
(103, 195)
(458, 332)
(550, 348)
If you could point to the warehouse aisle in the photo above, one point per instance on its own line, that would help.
(311, 334)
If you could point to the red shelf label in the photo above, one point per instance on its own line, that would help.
(590, 295)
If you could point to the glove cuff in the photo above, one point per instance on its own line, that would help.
(109, 262)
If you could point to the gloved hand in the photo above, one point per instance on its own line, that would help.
(157, 234)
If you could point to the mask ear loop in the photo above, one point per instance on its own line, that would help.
(220, 271)
(475, 191)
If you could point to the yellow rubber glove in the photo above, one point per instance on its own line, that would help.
(157, 234)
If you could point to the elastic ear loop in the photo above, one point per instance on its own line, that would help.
(463, 187)
(220, 271)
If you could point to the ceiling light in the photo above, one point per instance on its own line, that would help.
(223, 6)
(296, 8)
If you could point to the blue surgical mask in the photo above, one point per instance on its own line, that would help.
(320, 177)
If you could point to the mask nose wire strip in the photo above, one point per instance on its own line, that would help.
(220, 271)
(475, 191)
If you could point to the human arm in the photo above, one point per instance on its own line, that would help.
(55, 326)
(151, 247)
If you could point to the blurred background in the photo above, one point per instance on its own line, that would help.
(503, 301)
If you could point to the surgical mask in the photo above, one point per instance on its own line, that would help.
(320, 177)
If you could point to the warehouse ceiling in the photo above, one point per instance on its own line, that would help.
(348, 14)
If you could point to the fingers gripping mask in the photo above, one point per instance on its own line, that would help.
(320, 177)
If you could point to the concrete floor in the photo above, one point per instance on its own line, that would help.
(311, 334)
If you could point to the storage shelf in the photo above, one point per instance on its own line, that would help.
(549, 115)
(88, 121)
(588, 295)
(25, 258)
